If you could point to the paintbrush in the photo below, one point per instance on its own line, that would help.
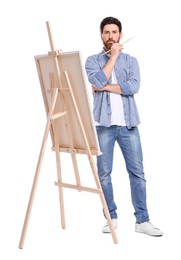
(120, 43)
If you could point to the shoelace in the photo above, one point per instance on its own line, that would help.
(153, 225)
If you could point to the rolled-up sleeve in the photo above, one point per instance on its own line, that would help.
(130, 83)
(94, 73)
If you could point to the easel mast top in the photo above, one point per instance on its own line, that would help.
(53, 50)
(55, 53)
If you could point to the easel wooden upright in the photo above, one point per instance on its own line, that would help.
(59, 123)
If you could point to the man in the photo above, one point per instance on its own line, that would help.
(115, 78)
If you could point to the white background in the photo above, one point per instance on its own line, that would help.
(156, 27)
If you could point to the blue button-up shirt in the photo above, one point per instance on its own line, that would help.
(128, 77)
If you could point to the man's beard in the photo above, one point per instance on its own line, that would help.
(108, 45)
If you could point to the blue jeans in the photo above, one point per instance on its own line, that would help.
(130, 145)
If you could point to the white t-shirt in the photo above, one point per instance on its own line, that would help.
(117, 115)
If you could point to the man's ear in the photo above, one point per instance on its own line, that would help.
(121, 36)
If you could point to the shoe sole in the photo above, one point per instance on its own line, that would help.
(149, 234)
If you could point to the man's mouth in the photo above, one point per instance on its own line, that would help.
(110, 42)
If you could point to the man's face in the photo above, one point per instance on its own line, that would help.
(110, 35)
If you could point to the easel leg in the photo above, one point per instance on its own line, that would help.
(76, 171)
(104, 204)
(59, 177)
(37, 172)
(35, 182)
(106, 211)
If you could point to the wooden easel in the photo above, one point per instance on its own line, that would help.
(52, 116)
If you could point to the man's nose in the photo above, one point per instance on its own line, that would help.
(111, 36)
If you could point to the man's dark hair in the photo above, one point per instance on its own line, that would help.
(110, 20)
